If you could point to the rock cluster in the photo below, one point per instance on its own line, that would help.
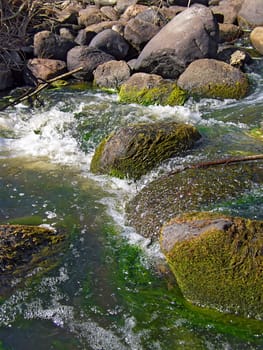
(169, 40)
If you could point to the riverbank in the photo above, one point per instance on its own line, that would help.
(112, 40)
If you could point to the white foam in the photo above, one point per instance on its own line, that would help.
(47, 134)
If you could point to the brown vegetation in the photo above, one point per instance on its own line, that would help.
(17, 20)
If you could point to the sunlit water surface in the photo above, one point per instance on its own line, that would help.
(105, 292)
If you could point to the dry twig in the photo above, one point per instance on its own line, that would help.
(35, 91)
(216, 162)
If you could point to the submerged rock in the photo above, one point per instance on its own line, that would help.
(149, 89)
(217, 261)
(134, 150)
(192, 189)
(24, 248)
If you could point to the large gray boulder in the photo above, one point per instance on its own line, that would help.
(251, 14)
(214, 79)
(177, 44)
(112, 43)
(88, 58)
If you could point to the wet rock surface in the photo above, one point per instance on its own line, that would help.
(217, 261)
(26, 248)
(134, 150)
(214, 79)
(192, 189)
(151, 89)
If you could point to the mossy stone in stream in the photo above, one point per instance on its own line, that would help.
(217, 261)
(214, 79)
(150, 89)
(23, 248)
(134, 150)
(190, 190)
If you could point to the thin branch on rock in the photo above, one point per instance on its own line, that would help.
(35, 91)
(216, 162)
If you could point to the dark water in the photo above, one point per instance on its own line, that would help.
(105, 292)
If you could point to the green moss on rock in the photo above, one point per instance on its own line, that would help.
(210, 78)
(134, 150)
(159, 92)
(219, 263)
(222, 91)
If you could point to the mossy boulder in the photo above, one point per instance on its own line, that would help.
(24, 248)
(228, 187)
(210, 78)
(217, 261)
(132, 151)
(151, 89)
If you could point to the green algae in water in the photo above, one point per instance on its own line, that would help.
(246, 205)
(3, 347)
(27, 220)
(154, 306)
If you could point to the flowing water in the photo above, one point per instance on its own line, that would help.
(104, 292)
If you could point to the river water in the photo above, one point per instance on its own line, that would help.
(105, 292)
